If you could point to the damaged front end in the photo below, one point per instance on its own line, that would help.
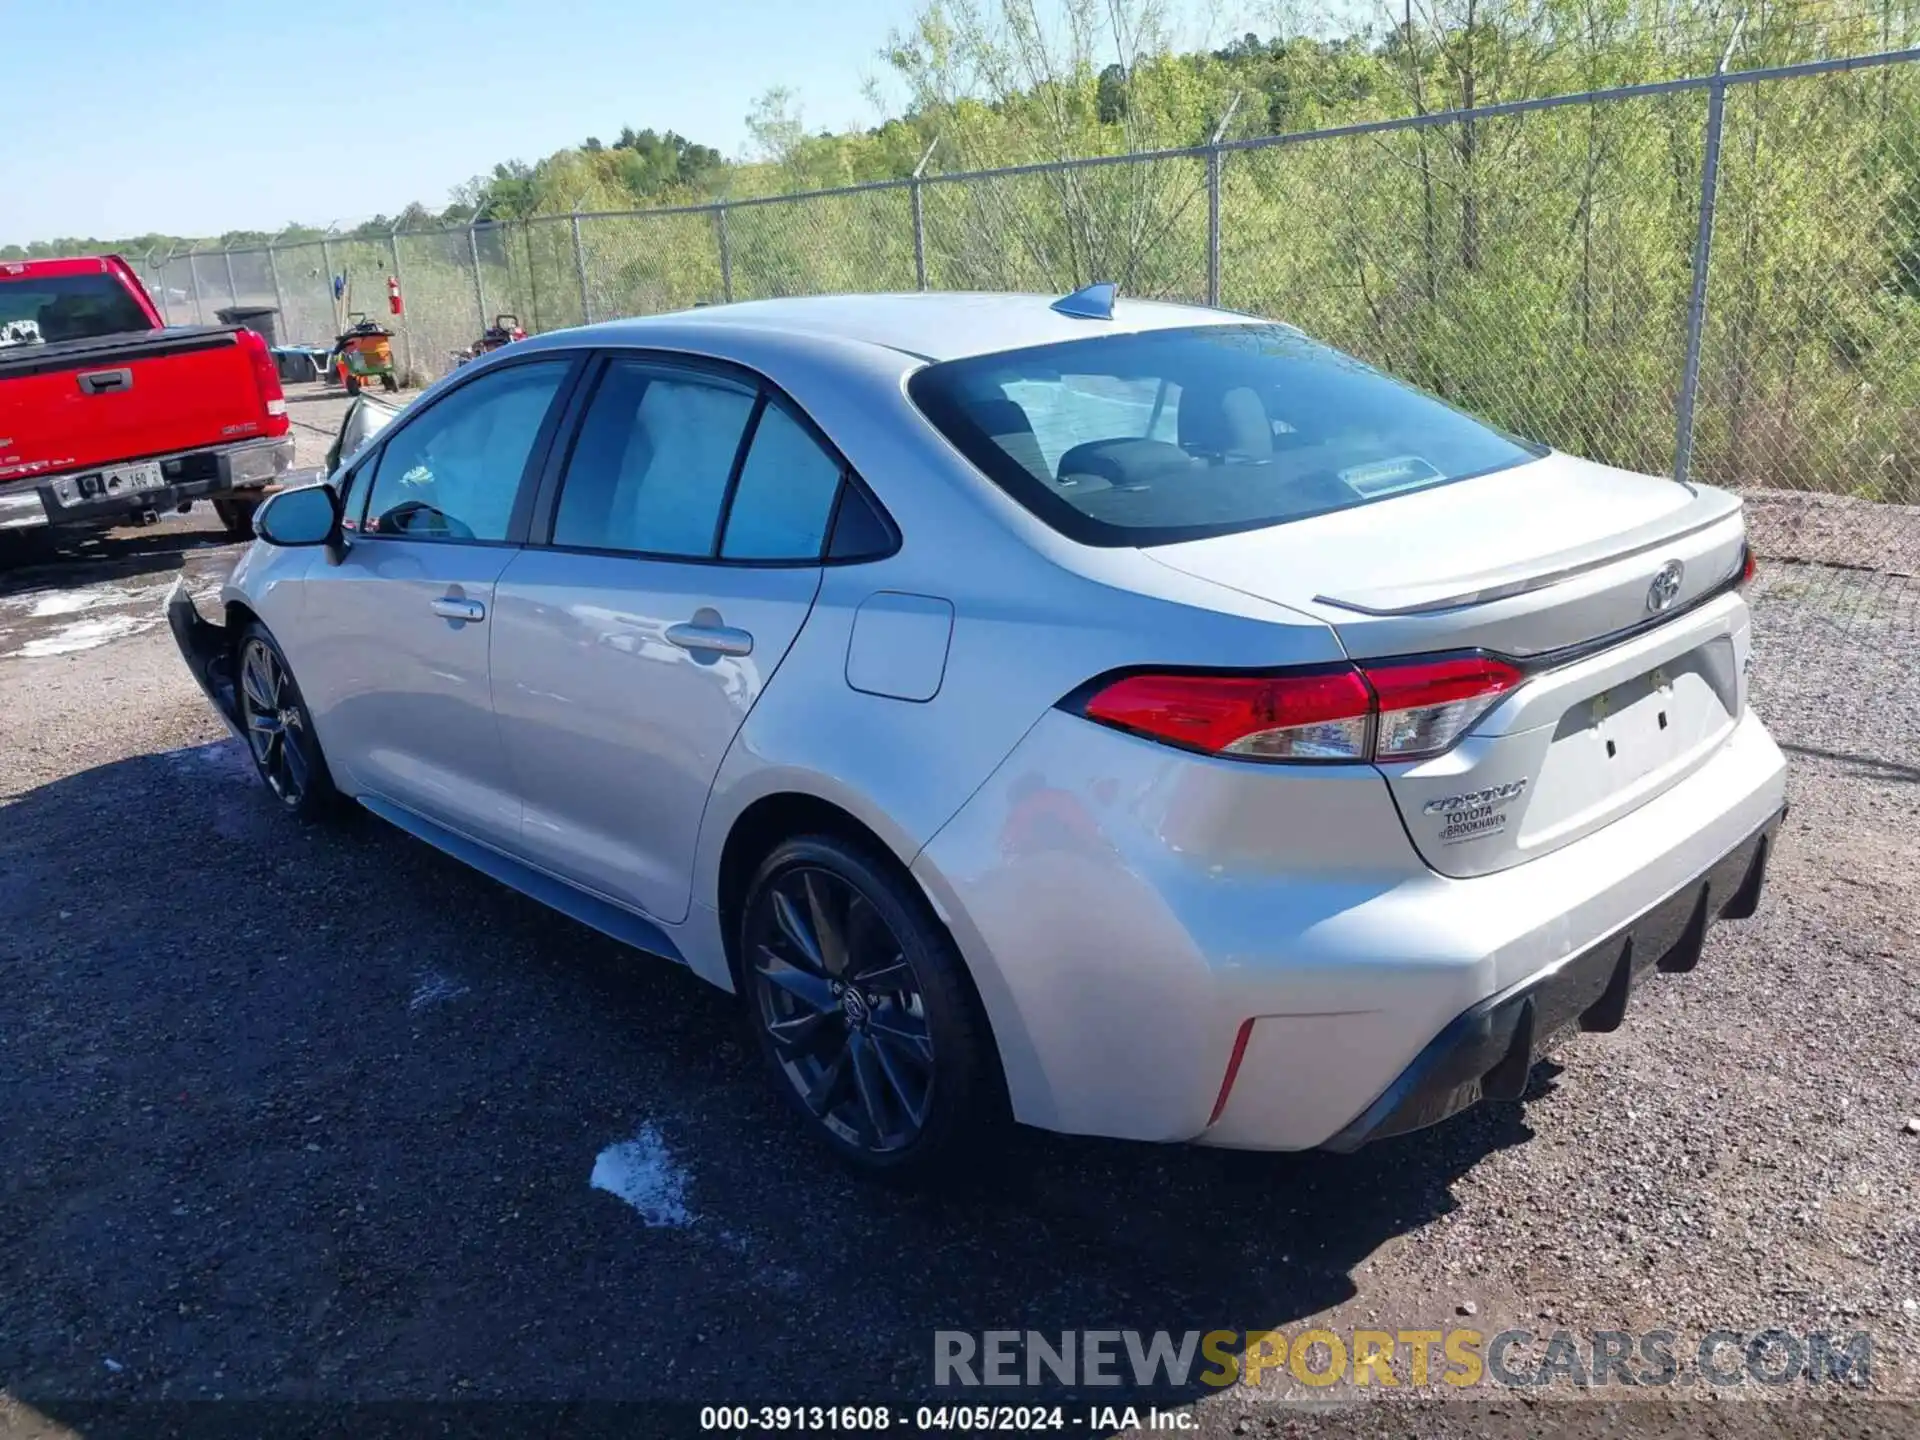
(208, 653)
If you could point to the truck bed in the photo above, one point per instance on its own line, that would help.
(81, 404)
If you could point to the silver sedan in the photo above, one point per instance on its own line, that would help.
(1123, 718)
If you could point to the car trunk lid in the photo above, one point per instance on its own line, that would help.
(1591, 579)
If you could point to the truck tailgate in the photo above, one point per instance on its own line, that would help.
(81, 404)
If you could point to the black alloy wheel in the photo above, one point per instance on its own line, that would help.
(279, 731)
(862, 1009)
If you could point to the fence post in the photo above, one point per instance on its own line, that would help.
(1702, 255)
(580, 268)
(279, 300)
(479, 286)
(406, 326)
(533, 279)
(193, 274)
(726, 251)
(920, 218)
(1214, 159)
(919, 238)
(159, 277)
(1213, 227)
(233, 286)
(333, 300)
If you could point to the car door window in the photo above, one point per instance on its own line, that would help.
(453, 472)
(784, 497)
(650, 470)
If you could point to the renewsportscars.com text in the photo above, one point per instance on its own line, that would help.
(1454, 1356)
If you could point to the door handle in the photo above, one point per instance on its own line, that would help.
(714, 639)
(447, 607)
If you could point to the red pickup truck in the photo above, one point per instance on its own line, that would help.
(107, 416)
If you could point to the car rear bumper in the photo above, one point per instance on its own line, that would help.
(1135, 916)
(1488, 1050)
(191, 475)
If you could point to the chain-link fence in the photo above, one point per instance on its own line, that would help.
(1716, 277)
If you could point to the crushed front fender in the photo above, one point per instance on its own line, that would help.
(204, 646)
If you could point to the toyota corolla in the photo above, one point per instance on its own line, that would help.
(1124, 718)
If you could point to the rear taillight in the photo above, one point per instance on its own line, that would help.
(1307, 715)
(1749, 567)
(1403, 710)
(1426, 705)
(266, 379)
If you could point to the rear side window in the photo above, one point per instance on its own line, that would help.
(650, 470)
(687, 465)
(785, 495)
(1169, 435)
(454, 471)
(35, 309)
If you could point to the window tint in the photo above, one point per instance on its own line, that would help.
(858, 531)
(785, 496)
(649, 471)
(453, 473)
(1174, 434)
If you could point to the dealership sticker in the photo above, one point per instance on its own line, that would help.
(1475, 814)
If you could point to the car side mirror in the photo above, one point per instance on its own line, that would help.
(307, 516)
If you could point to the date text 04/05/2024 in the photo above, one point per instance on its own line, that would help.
(937, 1419)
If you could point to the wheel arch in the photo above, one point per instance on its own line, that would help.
(780, 815)
(239, 615)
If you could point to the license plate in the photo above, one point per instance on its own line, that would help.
(129, 479)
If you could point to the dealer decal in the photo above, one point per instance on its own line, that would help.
(1475, 814)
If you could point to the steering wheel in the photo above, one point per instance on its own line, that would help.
(417, 517)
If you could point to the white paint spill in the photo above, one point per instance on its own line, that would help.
(643, 1173)
(214, 752)
(83, 635)
(435, 989)
(72, 602)
(46, 604)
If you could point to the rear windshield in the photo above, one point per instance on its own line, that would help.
(1178, 434)
(35, 308)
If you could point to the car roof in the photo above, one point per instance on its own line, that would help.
(934, 325)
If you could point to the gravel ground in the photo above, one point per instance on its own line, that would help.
(313, 1115)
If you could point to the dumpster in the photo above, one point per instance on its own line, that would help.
(260, 319)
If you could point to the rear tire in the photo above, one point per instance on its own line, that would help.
(279, 728)
(353, 385)
(863, 1013)
(236, 517)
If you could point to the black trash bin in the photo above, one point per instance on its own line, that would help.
(261, 319)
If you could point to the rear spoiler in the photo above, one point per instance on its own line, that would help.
(1706, 509)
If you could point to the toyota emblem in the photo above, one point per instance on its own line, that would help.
(1666, 586)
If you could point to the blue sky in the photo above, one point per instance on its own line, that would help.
(201, 116)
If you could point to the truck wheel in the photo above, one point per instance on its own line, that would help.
(236, 517)
(389, 384)
(353, 385)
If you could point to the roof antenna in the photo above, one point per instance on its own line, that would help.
(1092, 302)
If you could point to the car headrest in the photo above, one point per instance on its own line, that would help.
(1008, 427)
(1122, 462)
(1230, 422)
